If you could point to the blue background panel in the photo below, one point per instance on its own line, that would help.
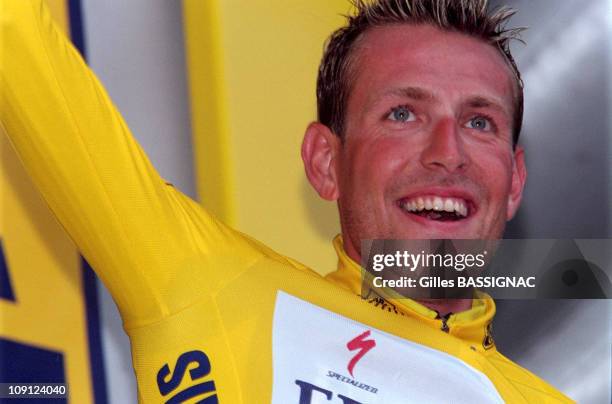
(30, 364)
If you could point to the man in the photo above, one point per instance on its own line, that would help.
(436, 123)
(419, 111)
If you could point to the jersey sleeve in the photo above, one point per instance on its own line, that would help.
(155, 249)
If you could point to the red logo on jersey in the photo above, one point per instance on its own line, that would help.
(359, 343)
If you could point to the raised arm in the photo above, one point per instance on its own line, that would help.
(154, 248)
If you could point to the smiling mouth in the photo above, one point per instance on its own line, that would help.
(437, 208)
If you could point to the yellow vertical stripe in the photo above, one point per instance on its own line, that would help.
(209, 115)
(252, 68)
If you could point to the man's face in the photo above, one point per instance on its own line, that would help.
(428, 139)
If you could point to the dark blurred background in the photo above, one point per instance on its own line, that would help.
(566, 134)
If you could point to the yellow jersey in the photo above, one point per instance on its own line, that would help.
(213, 315)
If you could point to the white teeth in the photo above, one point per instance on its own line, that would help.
(449, 205)
(436, 203)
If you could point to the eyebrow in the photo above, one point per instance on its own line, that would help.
(482, 102)
(414, 93)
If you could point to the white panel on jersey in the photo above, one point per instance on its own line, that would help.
(313, 363)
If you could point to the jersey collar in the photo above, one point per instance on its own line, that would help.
(472, 325)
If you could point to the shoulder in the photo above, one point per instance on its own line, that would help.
(531, 387)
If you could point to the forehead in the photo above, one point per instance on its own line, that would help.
(445, 64)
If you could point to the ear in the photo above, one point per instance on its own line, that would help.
(519, 176)
(319, 152)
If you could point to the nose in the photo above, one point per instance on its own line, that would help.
(445, 150)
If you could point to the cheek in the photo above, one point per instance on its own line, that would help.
(495, 174)
(377, 163)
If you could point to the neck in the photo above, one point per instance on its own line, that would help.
(442, 306)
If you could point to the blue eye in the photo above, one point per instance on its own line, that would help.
(480, 123)
(401, 114)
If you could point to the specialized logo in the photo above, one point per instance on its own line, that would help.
(387, 368)
(363, 345)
